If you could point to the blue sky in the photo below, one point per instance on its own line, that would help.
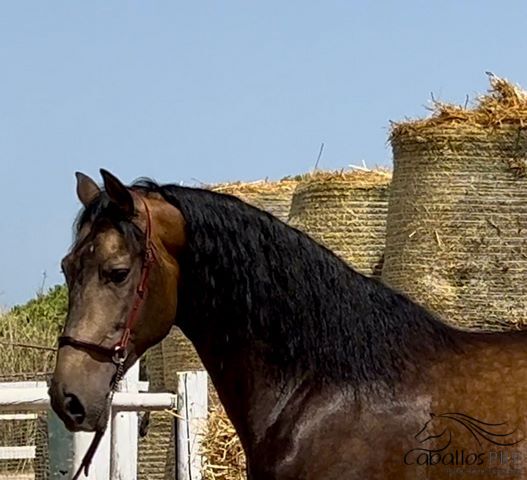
(216, 90)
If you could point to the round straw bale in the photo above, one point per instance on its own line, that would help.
(457, 219)
(179, 355)
(346, 212)
(156, 449)
(273, 197)
(174, 354)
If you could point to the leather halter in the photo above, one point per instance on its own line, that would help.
(118, 352)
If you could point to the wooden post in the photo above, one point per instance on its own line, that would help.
(123, 456)
(190, 423)
(60, 448)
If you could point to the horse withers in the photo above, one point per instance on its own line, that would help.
(325, 373)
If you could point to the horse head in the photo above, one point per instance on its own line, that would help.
(122, 277)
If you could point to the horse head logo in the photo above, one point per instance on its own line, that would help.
(434, 432)
(440, 428)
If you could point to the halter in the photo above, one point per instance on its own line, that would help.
(118, 353)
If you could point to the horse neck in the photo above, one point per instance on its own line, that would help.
(247, 388)
(234, 321)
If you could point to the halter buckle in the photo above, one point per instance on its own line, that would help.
(150, 255)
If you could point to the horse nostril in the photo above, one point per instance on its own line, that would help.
(74, 408)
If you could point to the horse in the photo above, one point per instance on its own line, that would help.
(324, 372)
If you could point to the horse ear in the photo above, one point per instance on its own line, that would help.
(87, 189)
(118, 193)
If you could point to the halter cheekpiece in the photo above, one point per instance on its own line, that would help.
(118, 352)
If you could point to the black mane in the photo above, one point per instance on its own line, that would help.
(249, 279)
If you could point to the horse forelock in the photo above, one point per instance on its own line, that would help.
(101, 213)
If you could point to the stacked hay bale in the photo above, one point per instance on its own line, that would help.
(156, 456)
(273, 197)
(178, 355)
(457, 221)
(346, 212)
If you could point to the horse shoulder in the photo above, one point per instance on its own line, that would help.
(313, 427)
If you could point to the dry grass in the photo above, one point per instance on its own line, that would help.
(256, 187)
(28, 335)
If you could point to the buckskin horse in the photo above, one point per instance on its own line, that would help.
(325, 373)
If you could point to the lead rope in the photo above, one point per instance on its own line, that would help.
(90, 453)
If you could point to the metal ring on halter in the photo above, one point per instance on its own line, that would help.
(120, 355)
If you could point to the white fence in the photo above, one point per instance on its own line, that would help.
(116, 457)
(26, 452)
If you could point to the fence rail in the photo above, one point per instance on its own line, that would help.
(117, 453)
(37, 399)
(18, 453)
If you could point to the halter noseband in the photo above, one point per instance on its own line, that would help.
(118, 352)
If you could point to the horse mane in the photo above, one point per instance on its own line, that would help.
(250, 279)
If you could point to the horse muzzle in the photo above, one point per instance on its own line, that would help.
(76, 413)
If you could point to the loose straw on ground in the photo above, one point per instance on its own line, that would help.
(223, 454)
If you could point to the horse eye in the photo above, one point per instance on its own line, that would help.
(118, 275)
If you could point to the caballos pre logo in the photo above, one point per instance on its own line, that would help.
(459, 440)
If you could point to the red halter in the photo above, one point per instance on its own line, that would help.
(118, 352)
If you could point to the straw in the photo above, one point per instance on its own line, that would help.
(224, 458)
